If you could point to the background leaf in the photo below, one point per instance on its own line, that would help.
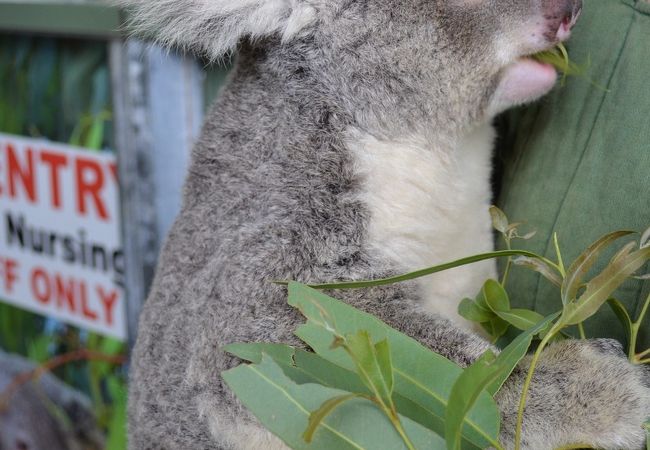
(580, 267)
(601, 287)
(540, 267)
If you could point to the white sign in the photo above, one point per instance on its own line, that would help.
(60, 247)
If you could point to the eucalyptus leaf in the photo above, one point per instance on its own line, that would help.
(539, 266)
(466, 391)
(522, 319)
(306, 367)
(284, 408)
(496, 327)
(471, 311)
(373, 363)
(601, 287)
(499, 219)
(516, 350)
(317, 417)
(528, 236)
(253, 352)
(418, 273)
(645, 239)
(496, 296)
(420, 376)
(584, 262)
(488, 373)
(385, 363)
(513, 226)
(623, 252)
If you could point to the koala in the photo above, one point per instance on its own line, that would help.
(353, 141)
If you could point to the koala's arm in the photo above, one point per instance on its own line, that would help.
(583, 392)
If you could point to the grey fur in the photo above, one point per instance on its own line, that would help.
(271, 194)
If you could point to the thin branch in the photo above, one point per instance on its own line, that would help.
(48, 366)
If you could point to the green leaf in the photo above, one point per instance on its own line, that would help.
(522, 319)
(623, 252)
(496, 296)
(418, 273)
(601, 287)
(305, 367)
(516, 350)
(385, 364)
(413, 364)
(584, 262)
(283, 407)
(499, 219)
(647, 434)
(116, 439)
(95, 135)
(539, 266)
(471, 311)
(254, 352)
(645, 239)
(496, 327)
(317, 417)
(466, 391)
(622, 314)
(488, 373)
(38, 348)
(376, 375)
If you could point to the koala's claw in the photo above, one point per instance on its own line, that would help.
(583, 392)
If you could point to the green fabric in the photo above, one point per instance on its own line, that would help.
(580, 159)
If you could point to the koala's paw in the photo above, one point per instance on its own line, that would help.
(583, 392)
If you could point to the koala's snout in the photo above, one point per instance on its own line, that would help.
(561, 16)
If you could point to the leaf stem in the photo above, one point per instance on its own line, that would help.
(644, 361)
(529, 379)
(427, 271)
(394, 418)
(581, 329)
(560, 261)
(506, 272)
(643, 354)
(634, 333)
(644, 311)
(575, 447)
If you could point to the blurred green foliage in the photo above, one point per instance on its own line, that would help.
(49, 86)
(59, 89)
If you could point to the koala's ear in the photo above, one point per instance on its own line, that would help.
(214, 27)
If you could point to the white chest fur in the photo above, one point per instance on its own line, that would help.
(430, 206)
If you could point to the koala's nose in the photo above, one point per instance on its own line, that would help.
(567, 12)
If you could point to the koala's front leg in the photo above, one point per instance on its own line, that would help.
(583, 392)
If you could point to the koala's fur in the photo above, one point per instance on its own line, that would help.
(352, 142)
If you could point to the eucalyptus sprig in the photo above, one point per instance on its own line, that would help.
(558, 57)
(363, 372)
